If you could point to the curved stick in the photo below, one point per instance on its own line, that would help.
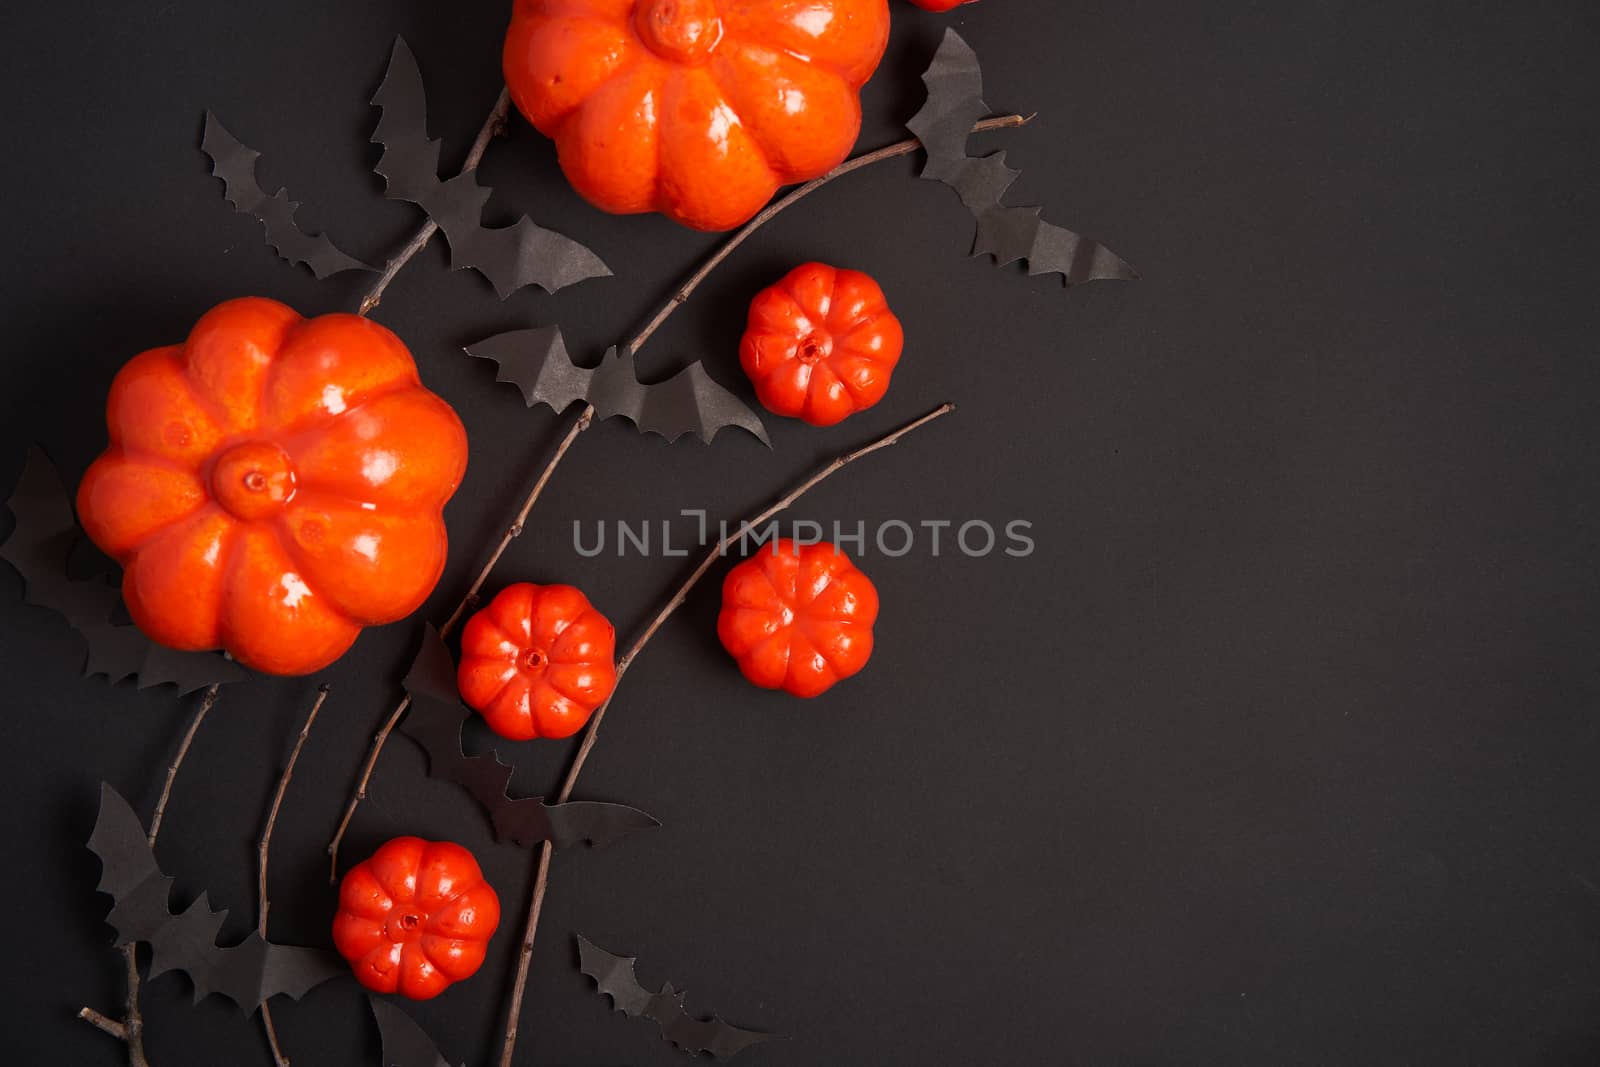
(207, 702)
(261, 856)
(512, 533)
(131, 1028)
(493, 126)
(849, 166)
(541, 880)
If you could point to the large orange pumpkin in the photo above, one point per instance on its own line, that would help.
(273, 485)
(698, 109)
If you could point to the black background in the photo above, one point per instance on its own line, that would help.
(1280, 749)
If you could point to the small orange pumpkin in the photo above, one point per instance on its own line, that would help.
(537, 661)
(698, 109)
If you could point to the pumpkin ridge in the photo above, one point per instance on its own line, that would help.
(384, 950)
(578, 699)
(546, 18)
(714, 71)
(842, 337)
(489, 622)
(150, 458)
(130, 569)
(299, 555)
(852, 387)
(318, 422)
(785, 173)
(232, 536)
(808, 654)
(571, 148)
(811, 594)
(561, 648)
(664, 95)
(758, 34)
(432, 851)
(295, 443)
(782, 635)
(843, 329)
(167, 527)
(772, 586)
(232, 561)
(819, 315)
(514, 676)
(264, 386)
(274, 527)
(207, 403)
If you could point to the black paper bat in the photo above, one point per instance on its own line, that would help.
(511, 257)
(536, 361)
(246, 974)
(955, 103)
(38, 548)
(405, 1044)
(616, 979)
(434, 722)
(235, 164)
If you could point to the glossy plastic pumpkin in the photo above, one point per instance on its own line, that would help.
(273, 485)
(537, 661)
(698, 109)
(798, 617)
(821, 344)
(415, 917)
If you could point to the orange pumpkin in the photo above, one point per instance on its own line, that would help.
(537, 661)
(273, 485)
(698, 109)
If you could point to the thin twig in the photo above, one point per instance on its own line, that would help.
(900, 148)
(514, 531)
(278, 1057)
(262, 850)
(131, 1028)
(207, 702)
(541, 882)
(492, 127)
(110, 1026)
(541, 879)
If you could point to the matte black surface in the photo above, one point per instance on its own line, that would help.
(1281, 748)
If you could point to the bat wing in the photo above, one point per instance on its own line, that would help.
(247, 973)
(712, 1036)
(614, 976)
(955, 103)
(687, 402)
(235, 164)
(527, 821)
(434, 723)
(511, 257)
(537, 362)
(405, 1044)
(39, 546)
(1009, 234)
